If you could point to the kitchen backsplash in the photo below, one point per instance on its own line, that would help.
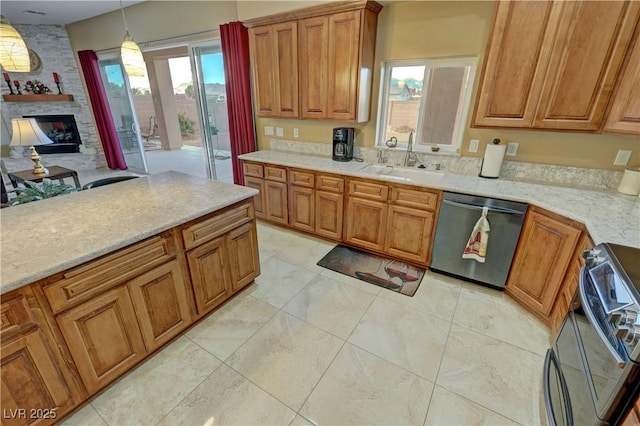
(557, 175)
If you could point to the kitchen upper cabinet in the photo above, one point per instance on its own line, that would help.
(274, 49)
(545, 251)
(32, 377)
(624, 115)
(553, 65)
(334, 62)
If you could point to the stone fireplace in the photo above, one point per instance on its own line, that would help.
(62, 130)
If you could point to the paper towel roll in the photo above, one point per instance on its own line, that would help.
(630, 182)
(492, 161)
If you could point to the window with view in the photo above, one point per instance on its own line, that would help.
(426, 98)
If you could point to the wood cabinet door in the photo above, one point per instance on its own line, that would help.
(263, 56)
(366, 223)
(209, 269)
(274, 54)
(302, 208)
(32, 376)
(258, 200)
(543, 255)
(31, 381)
(313, 42)
(101, 338)
(286, 72)
(343, 65)
(586, 58)
(276, 202)
(329, 214)
(624, 115)
(409, 233)
(244, 260)
(161, 303)
(515, 63)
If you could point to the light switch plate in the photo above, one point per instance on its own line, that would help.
(622, 158)
(512, 149)
(473, 145)
(279, 131)
(296, 132)
(268, 130)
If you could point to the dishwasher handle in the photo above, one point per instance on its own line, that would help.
(494, 209)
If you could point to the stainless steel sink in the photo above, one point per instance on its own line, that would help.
(400, 173)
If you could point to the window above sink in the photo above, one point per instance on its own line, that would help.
(428, 98)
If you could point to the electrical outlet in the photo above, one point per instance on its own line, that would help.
(622, 158)
(296, 132)
(268, 130)
(512, 149)
(473, 145)
(279, 131)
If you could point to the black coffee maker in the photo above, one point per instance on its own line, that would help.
(343, 143)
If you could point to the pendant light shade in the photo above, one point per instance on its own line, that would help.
(130, 53)
(14, 55)
(132, 57)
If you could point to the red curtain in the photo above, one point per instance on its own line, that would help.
(235, 51)
(101, 111)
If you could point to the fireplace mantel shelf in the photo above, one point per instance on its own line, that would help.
(37, 98)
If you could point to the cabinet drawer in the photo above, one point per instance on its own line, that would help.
(253, 169)
(422, 200)
(330, 183)
(277, 174)
(301, 178)
(15, 316)
(84, 282)
(208, 229)
(370, 190)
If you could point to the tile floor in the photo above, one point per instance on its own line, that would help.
(305, 345)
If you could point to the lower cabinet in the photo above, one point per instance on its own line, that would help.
(65, 338)
(409, 233)
(258, 200)
(244, 261)
(101, 338)
(302, 213)
(366, 223)
(208, 265)
(34, 389)
(568, 287)
(276, 205)
(329, 212)
(545, 251)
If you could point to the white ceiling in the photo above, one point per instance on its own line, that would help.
(57, 12)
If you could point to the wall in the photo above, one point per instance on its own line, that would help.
(51, 43)
(455, 28)
(149, 21)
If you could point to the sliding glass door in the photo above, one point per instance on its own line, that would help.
(120, 102)
(212, 99)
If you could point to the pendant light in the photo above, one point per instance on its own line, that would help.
(14, 55)
(130, 53)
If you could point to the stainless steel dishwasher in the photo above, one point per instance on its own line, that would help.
(457, 218)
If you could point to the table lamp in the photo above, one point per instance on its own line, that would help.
(26, 132)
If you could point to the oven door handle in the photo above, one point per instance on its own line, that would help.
(592, 318)
(548, 360)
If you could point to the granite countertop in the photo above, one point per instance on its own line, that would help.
(42, 238)
(608, 215)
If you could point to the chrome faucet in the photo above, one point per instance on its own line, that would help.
(381, 159)
(410, 157)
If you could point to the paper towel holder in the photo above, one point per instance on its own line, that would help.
(496, 141)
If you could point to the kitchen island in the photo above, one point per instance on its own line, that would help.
(95, 282)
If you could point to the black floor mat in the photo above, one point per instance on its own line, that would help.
(391, 274)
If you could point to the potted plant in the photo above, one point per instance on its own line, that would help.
(39, 191)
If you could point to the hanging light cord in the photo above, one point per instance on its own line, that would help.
(123, 17)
